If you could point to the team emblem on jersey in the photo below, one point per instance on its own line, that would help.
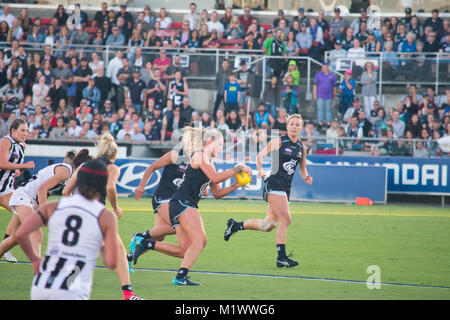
(287, 151)
(204, 186)
(290, 166)
(178, 181)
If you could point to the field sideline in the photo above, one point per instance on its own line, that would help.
(334, 243)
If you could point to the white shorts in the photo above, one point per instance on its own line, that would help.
(7, 191)
(55, 294)
(21, 198)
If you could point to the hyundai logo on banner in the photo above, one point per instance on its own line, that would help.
(405, 175)
(131, 174)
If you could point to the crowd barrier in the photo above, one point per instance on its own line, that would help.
(332, 183)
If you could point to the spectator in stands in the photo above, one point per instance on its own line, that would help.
(186, 111)
(432, 43)
(347, 92)
(243, 77)
(317, 40)
(353, 111)
(177, 89)
(204, 17)
(262, 118)
(221, 80)
(293, 71)
(24, 21)
(309, 137)
(353, 130)
(346, 39)
(246, 18)
(7, 15)
(332, 132)
(356, 24)
(231, 94)
(272, 96)
(226, 18)
(364, 123)
(304, 40)
(80, 37)
(436, 23)
(184, 34)
(116, 38)
(290, 94)
(193, 17)
(60, 131)
(81, 78)
(137, 133)
(215, 24)
(62, 73)
(40, 91)
(421, 151)
(73, 129)
(398, 125)
(274, 46)
(152, 39)
(164, 20)
(92, 94)
(280, 16)
(337, 24)
(234, 30)
(126, 129)
(301, 17)
(127, 17)
(368, 81)
(162, 62)
(172, 41)
(156, 88)
(295, 27)
(35, 36)
(336, 54)
(324, 92)
(101, 15)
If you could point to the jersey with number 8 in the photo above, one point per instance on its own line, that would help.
(74, 240)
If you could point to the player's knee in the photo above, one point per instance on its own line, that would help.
(266, 225)
(286, 221)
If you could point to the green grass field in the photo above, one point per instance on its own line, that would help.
(332, 242)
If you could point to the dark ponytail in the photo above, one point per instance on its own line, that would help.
(82, 156)
(16, 124)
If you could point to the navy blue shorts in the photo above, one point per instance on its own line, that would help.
(269, 188)
(177, 208)
(157, 202)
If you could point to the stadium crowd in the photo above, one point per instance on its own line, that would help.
(66, 91)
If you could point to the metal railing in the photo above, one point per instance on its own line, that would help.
(401, 68)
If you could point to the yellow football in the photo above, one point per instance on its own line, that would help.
(243, 178)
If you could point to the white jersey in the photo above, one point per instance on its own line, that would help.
(74, 240)
(31, 188)
(15, 155)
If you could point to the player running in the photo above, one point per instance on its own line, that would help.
(290, 152)
(107, 153)
(183, 207)
(25, 199)
(12, 153)
(77, 226)
(174, 164)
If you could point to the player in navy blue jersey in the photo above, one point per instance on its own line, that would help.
(174, 164)
(288, 152)
(183, 207)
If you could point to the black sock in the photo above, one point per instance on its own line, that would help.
(281, 248)
(6, 236)
(146, 234)
(239, 226)
(130, 256)
(148, 244)
(127, 287)
(182, 273)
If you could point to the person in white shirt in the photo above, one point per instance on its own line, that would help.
(137, 134)
(398, 125)
(113, 66)
(73, 131)
(332, 132)
(214, 23)
(163, 19)
(126, 129)
(357, 52)
(7, 16)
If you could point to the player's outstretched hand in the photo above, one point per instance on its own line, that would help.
(118, 212)
(248, 171)
(29, 165)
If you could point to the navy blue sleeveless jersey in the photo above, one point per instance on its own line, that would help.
(190, 191)
(171, 179)
(283, 169)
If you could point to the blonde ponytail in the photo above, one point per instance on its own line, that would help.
(194, 138)
(107, 148)
(294, 116)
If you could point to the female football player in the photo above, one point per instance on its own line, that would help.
(183, 207)
(12, 149)
(77, 227)
(288, 152)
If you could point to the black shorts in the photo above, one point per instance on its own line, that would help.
(177, 208)
(271, 188)
(158, 201)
